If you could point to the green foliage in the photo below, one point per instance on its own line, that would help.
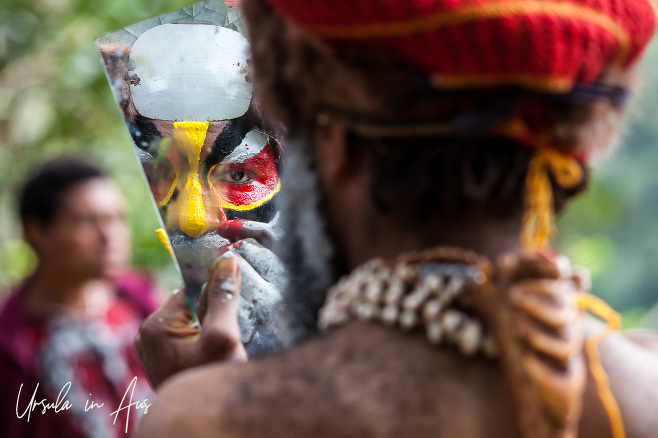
(613, 229)
(54, 100)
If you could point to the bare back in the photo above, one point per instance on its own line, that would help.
(360, 381)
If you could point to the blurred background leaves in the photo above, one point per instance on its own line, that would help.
(54, 100)
(613, 229)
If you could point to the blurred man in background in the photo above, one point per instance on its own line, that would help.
(66, 333)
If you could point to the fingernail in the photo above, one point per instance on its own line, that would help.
(226, 264)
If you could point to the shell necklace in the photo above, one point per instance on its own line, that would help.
(428, 290)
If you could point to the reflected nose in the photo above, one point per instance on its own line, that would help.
(192, 215)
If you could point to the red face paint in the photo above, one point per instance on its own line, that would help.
(246, 185)
(230, 229)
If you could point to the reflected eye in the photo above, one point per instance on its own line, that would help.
(238, 176)
(235, 176)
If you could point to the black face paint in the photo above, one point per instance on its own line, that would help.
(145, 135)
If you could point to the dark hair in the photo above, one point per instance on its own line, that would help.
(414, 175)
(41, 196)
(430, 177)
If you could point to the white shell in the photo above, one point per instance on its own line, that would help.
(432, 310)
(469, 338)
(191, 72)
(390, 315)
(394, 292)
(366, 312)
(415, 299)
(408, 320)
(451, 320)
(434, 333)
(433, 282)
(453, 288)
(374, 291)
(563, 265)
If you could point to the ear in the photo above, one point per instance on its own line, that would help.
(337, 162)
(33, 233)
(330, 149)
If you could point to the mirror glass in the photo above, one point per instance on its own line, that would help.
(183, 86)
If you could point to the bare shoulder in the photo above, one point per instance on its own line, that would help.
(631, 362)
(339, 385)
(647, 339)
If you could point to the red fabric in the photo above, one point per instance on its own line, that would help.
(21, 338)
(546, 45)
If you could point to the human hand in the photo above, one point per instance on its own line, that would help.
(540, 332)
(263, 276)
(168, 342)
(263, 279)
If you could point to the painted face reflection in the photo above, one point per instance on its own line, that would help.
(210, 164)
(183, 84)
(205, 173)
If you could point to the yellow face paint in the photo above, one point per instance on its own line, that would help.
(164, 240)
(170, 193)
(188, 139)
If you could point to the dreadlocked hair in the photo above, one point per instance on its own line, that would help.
(441, 176)
(299, 77)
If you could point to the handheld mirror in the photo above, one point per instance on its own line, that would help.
(183, 86)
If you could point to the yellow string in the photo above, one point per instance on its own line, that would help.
(603, 311)
(537, 227)
(164, 239)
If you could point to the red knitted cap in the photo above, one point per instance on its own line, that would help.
(543, 45)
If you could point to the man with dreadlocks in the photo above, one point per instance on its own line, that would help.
(425, 137)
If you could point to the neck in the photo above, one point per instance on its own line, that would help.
(51, 287)
(484, 234)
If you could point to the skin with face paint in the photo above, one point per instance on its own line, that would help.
(211, 164)
(215, 184)
(197, 191)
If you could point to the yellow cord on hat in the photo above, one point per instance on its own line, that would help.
(537, 228)
(598, 307)
(536, 232)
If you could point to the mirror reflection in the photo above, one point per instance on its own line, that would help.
(183, 85)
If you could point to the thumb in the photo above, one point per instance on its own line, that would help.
(220, 299)
(218, 311)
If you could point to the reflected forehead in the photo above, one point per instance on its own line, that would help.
(251, 145)
(166, 127)
(190, 72)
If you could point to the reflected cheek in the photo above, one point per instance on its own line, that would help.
(262, 185)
